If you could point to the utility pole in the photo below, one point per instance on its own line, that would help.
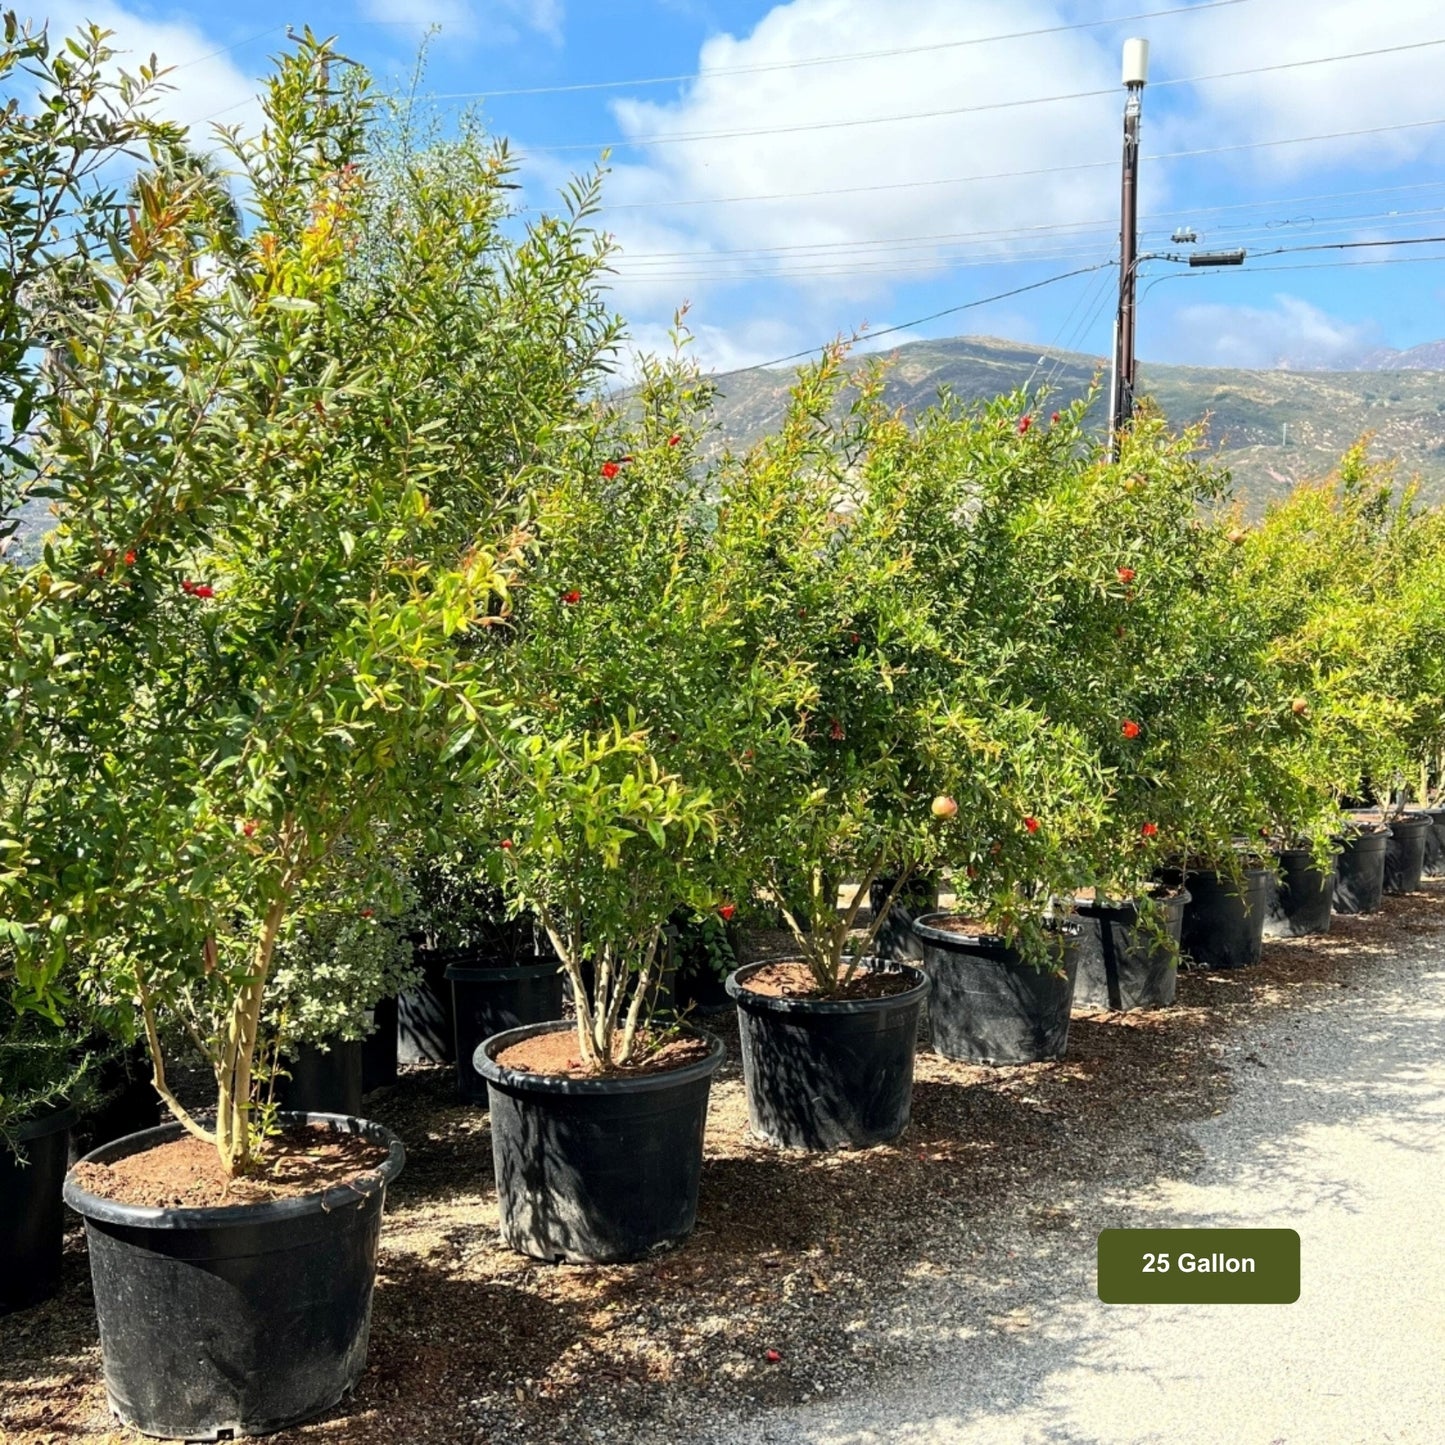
(1121, 390)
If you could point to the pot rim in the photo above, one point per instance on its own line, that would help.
(97, 1208)
(52, 1121)
(565, 1085)
(465, 973)
(924, 928)
(737, 988)
(1178, 894)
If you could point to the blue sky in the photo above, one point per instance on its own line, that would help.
(937, 163)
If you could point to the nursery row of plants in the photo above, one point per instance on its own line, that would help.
(372, 643)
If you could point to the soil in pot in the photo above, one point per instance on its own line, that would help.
(322, 1081)
(1405, 852)
(1300, 897)
(896, 938)
(1360, 870)
(828, 1072)
(33, 1159)
(1435, 845)
(1224, 922)
(1123, 963)
(487, 1001)
(595, 1169)
(989, 1004)
(246, 1307)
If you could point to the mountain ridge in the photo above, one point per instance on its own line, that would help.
(1270, 428)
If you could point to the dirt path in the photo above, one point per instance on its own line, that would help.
(1337, 1130)
(940, 1288)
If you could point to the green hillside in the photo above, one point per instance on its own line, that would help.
(1271, 427)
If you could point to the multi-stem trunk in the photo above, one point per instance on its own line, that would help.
(238, 1053)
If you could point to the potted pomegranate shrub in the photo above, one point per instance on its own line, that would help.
(816, 538)
(1113, 556)
(294, 567)
(614, 810)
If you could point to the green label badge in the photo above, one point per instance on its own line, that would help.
(1198, 1266)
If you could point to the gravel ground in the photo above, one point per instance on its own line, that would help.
(1337, 1130)
(939, 1288)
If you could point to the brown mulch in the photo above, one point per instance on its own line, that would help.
(789, 979)
(784, 1291)
(557, 1054)
(186, 1173)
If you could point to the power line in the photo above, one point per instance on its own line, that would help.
(880, 258)
(1099, 266)
(1011, 175)
(830, 250)
(827, 59)
(933, 316)
(688, 137)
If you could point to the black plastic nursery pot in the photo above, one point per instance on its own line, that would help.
(595, 1171)
(1122, 965)
(1300, 898)
(323, 1081)
(829, 1073)
(239, 1320)
(1405, 852)
(425, 1032)
(487, 1001)
(1360, 872)
(988, 1004)
(378, 1048)
(1224, 924)
(896, 938)
(32, 1219)
(129, 1102)
(1435, 845)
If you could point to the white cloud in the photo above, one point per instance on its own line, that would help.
(1292, 333)
(1359, 94)
(896, 224)
(205, 86)
(493, 22)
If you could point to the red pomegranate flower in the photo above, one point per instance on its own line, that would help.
(1055, 418)
(368, 913)
(673, 440)
(249, 827)
(1032, 824)
(1025, 422)
(130, 559)
(572, 598)
(1127, 574)
(507, 845)
(1149, 829)
(204, 590)
(1131, 728)
(727, 910)
(187, 586)
(610, 470)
